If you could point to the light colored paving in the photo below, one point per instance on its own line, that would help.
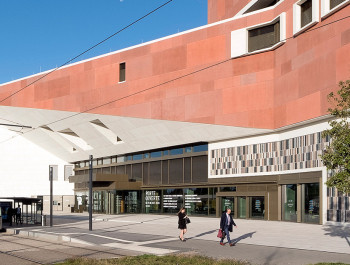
(137, 231)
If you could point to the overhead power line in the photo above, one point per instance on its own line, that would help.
(172, 80)
(92, 47)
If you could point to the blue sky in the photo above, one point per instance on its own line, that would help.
(38, 35)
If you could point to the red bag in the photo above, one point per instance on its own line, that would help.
(219, 233)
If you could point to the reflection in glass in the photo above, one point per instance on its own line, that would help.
(153, 201)
(176, 151)
(200, 148)
(257, 207)
(156, 154)
(212, 201)
(196, 200)
(242, 207)
(233, 188)
(289, 202)
(172, 200)
(311, 203)
(188, 149)
(227, 203)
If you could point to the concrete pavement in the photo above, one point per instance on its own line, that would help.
(259, 242)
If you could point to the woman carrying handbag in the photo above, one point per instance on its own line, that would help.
(183, 221)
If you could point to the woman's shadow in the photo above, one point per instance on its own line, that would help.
(236, 240)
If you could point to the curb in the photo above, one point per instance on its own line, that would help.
(52, 237)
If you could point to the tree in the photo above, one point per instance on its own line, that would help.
(336, 156)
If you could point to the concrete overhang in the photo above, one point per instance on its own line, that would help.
(74, 136)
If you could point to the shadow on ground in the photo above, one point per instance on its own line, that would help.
(338, 231)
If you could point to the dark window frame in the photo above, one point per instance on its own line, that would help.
(122, 72)
(264, 37)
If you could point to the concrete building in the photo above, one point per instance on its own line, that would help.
(225, 115)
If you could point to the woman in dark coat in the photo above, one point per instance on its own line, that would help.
(182, 223)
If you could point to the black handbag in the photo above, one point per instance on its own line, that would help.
(187, 220)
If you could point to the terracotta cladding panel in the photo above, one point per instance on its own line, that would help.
(223, 9)
(266, 90)
(169, 60)
(206, 51)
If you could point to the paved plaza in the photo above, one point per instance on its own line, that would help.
(259, 242)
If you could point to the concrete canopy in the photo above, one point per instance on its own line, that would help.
(74, 136)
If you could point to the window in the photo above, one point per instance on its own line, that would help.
(176, 151)
(255, 6)
(263, 37)
(261, 5)
(188, 149)
(156, 154)
(200, 148)
(122, 72)
(334, 3)
(137, 157)
(259, 38)
(305, 15)
(329, 7)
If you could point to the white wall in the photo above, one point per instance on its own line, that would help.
(24, 168)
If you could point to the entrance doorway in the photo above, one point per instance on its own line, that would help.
(242, 207)
(227, 202)
(289, 202)
(257, 207)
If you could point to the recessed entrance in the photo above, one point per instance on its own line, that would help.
(289, 202)
(227, 203)
(242, 207)
(257, 207)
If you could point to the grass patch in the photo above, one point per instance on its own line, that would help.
(155, 260)
(330, 263)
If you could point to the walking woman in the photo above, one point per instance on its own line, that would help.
(182, 223)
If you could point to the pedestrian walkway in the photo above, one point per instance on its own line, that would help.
(152, 233)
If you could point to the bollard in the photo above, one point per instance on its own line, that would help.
(43, 220)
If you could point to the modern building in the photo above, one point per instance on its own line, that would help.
(229, 114)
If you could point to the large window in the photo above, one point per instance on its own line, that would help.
(196, 201)
(153, 201)
(335, 3)
(311, 203)
(263, 37)
(305, 15)
(172, 200)
(289, 202)
(257, 5)
(330, 6)
(259, 38)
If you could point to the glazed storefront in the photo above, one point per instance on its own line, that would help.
(197, 201)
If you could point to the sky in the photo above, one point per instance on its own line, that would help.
(39, 35)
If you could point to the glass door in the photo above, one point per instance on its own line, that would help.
(227, 202)
(242, 207)
(311, 203)
(257, 207)
(289, 202)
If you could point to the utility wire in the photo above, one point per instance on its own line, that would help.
(94, 46)
(172, 80)
(180, 77)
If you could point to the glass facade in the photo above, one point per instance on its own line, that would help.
(153, 202)
(227, 203)
(172, 200)
(196, 201)
(242, 207)
(310, 203)
(289, 202)
(257, 207)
